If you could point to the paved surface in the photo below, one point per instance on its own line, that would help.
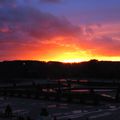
(32, 108)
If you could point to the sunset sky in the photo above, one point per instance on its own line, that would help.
(60, 30)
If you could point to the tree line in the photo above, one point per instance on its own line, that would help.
(53, 70)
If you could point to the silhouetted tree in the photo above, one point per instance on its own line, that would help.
(44, 112)
(8, 111)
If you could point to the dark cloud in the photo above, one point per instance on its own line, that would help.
(23, 26)
(21, 22)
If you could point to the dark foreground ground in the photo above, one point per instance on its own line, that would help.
(63, 111)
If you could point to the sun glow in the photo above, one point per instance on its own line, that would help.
(70, 57)
(72, 61)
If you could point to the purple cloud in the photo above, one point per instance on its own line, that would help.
(7, 3)
(50, 1)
